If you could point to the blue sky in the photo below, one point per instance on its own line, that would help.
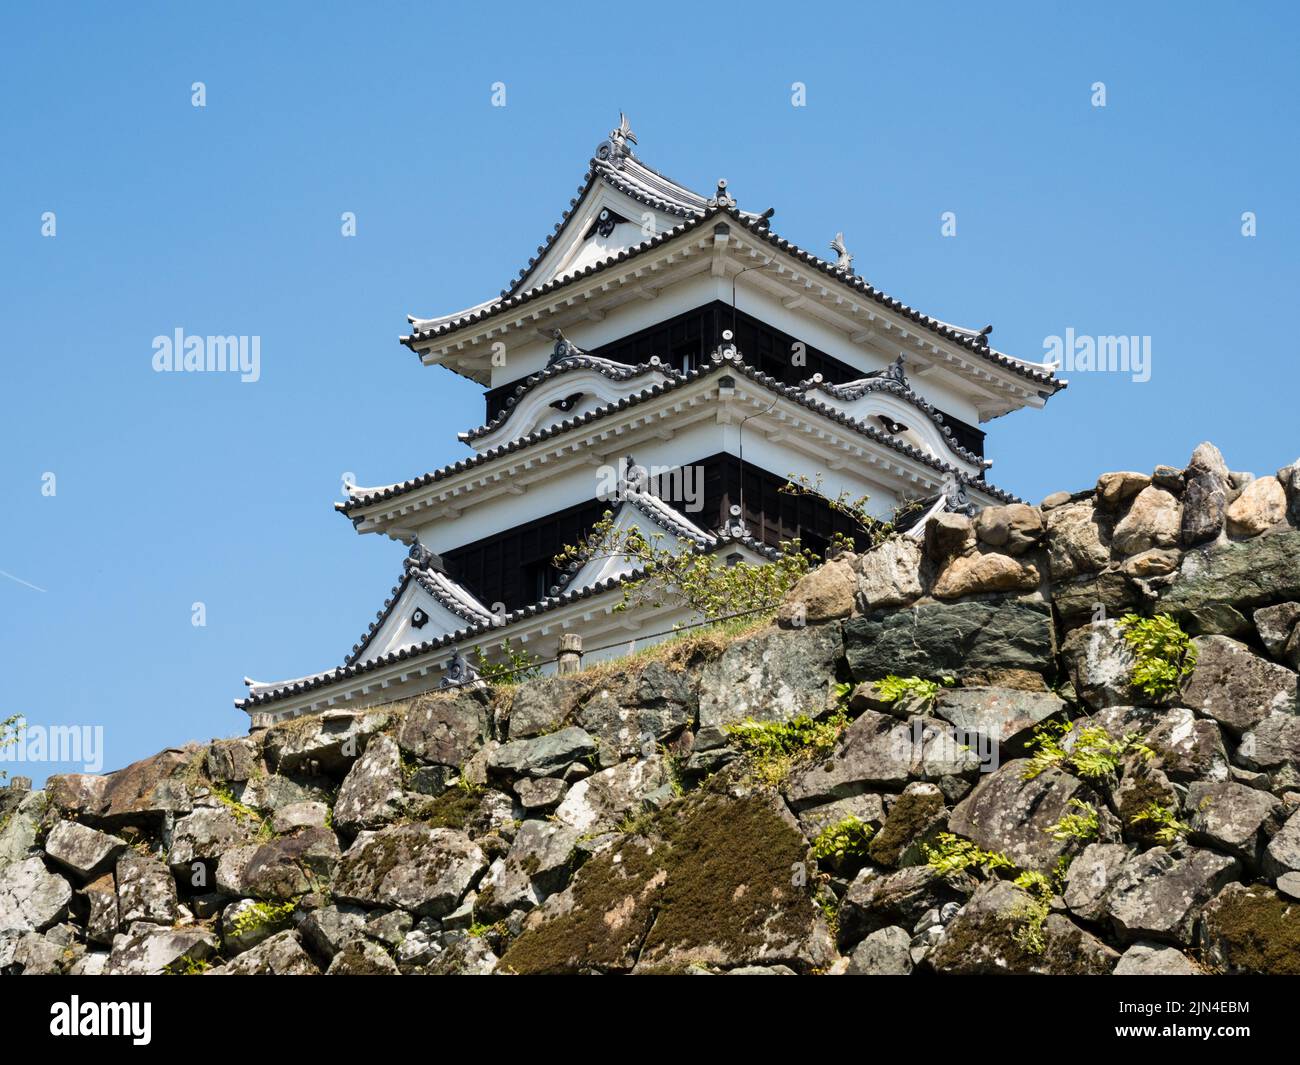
(181, 488)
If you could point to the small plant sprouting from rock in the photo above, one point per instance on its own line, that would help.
(775, 747)
(1094, 755)
(1082, 826)
(1168, 829)
(1164, 654)
(260, 915)
(950, 855)
(10, 727)
(513, 666)
(893, 688)
(1034, 911)
(843, 840)
(188, 966)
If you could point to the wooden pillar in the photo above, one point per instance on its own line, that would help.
(570, 660)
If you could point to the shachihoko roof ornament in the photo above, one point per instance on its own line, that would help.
(615, 149)
(845, 261)
(564, 348)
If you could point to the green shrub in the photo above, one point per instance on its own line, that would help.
(775, 747)
(1081, 826)
(893, 688)
(1164, 654)
(1095, 753)
(1168, 829)
(950, 854)
(843, 840)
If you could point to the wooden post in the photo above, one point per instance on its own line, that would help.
(570, 660)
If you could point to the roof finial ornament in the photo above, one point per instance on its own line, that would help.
(459, 673)
(420, 557)
(720, 198)
(982, 337)
(895, 371)
(616, 148)
(845, 261)
(564, 348)
(634, 476)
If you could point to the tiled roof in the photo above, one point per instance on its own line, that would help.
(513, 297)
(795, 393)
(268, 693)
(853, 390)
(433, 583)
(615, 371)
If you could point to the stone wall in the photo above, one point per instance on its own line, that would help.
(617, 821)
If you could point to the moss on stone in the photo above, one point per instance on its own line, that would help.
(454, 808)
(711, 880)
(910, 816)
(1254, 930)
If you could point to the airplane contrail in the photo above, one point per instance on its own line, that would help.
(19, 580)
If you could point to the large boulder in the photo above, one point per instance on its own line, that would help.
(952, 639)
(235, 760)
(146, 891)
(1273, 746)
(1283, 853)
(1231, 817)
(81, 850)
(877, 751)
(1159, 894)
(445, 729)
(771, 676)
(989, 937)
(1156, 959)
(1205, 496)
(328, 742)
(983, 574)
(1012, 529)
(1114, 489)
(204, 836)
(1100, 664)
(31, 897)
(289, 866)
(147, 791)
(538, 864)
(76, 794)
(825, 594)
(542, 756)
(1075, 542)
(20, 826)
(425, 871)
(1235, 687)
(1152, 521)
(1090, 876)
(1188, 747)
(886, 952)
(599, 802)
(102, 916)
(371, 794)
(889, 575)
(1009, 813)
(1007, 716)
(153, 951)
(1238, 575)
(281, 955)
(627, 714)
(1261, 505)
(1252, 930)
(1279, 632)
(915, 817)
